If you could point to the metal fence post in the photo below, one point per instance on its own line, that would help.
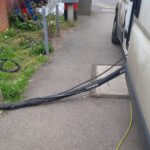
(57, 20)
(46, 38)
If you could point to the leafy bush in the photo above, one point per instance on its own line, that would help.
(24, 24)
(7, 52)
(10, 32)
(39, 48)
(12, 89)
(27, 42)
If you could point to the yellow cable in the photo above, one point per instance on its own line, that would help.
(128, 130)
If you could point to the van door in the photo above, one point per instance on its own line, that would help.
(124, 18)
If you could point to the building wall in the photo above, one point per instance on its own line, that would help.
(10, 4)
(3, 15)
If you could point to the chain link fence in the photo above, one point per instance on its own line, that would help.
(50, 9)
(51, 5)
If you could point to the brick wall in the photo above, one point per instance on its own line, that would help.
(10, 4)
(3, 15)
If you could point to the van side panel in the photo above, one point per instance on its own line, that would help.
(144, 17)
(139, 69)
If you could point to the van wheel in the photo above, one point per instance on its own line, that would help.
(114, 38)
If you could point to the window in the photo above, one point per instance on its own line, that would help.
(137, 7)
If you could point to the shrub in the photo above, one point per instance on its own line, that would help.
(39, 48)
(18, 22)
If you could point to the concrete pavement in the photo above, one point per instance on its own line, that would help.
(114, 88)
(79, 122)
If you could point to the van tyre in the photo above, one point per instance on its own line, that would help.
(114, 38)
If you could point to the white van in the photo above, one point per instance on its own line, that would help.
(123, 21)
(132, 29)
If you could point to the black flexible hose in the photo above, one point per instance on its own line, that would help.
(116, 63)
(4, 61)
(38, 101)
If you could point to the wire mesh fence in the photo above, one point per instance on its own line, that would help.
(51, 5)
(51, 9)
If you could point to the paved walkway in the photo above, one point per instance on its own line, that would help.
(79, 122)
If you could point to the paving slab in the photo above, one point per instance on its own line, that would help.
(114, 88)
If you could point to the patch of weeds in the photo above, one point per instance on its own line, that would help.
(12, 85)
(39, 48)
(8, 35)
(26, 42)
(63, 24)
(9, 65)
(66, 24)
(12, 89)
(7, 52)
(34, 46)
(26, 24)
(42, 59)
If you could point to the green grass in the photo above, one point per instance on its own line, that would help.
(66, 24)
(26, 48)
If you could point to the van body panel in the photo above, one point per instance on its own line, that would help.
(123, 19)
(134, 20)
(138, 115)
(142, 126)
(144, 16)
(138, 63)
(124, 9)
(128, 15)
